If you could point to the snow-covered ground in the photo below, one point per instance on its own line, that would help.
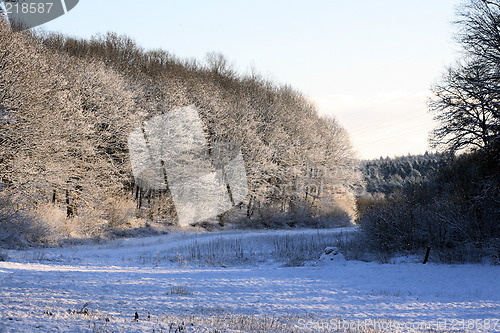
(100, 288)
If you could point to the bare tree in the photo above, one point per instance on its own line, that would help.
(479, 34)
(466, 102)
(219, 64)
(466, 108)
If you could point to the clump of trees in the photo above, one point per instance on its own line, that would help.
(67, 106)
(455, 211)
(388, 175)
(452, 209)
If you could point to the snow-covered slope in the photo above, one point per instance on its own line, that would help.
(101, 287)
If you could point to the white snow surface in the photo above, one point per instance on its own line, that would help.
(70, 289)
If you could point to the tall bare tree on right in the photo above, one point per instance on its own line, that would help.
(466, 101)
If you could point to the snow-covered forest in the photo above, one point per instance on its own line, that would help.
(315, 238)
(389, 175)
(69, 105)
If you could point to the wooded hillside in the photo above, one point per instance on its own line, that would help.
(68, 105)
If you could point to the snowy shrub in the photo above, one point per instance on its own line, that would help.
(58, 225)
(19, 228)
(181, 290)
(4, 255)
(118, 211)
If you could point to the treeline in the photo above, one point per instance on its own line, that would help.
(452, 206)
(389, 175)
(67, 106)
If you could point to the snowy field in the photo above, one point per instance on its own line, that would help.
(239, 281)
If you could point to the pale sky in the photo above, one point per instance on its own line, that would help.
(368, 63)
